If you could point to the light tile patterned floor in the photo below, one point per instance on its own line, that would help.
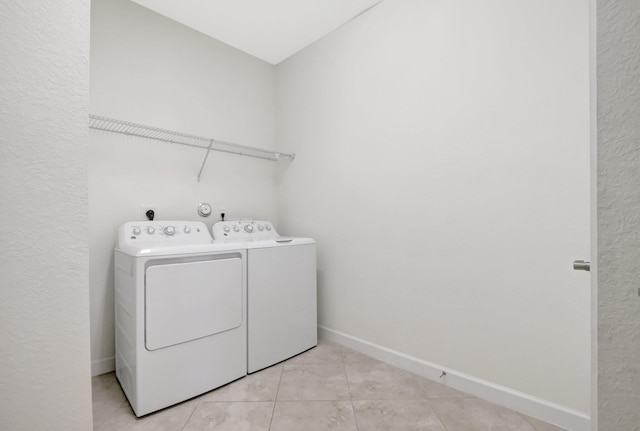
(327, 388)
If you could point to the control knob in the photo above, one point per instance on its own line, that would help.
(187, 229)
(260, 227)
(248, 228)
(169, 230)
(151, 230)
(236, 229)
(268, 227)
(226, 229)
(137, 231)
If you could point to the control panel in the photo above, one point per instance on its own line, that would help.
(243, 230)
(163, 232)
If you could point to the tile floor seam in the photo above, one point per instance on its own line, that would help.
(236, 402)
(191, 415)
(533, 427)
(444, 426)
(315, 400)
(346, 376)
(448, 398)
(275, 399)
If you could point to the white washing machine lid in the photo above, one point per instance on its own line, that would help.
(281, 241)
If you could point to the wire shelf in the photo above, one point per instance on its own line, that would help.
(209, 144)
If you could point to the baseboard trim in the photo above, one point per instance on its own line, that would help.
(103, 366)
(529, 405)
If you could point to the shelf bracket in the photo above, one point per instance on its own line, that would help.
(205, 159)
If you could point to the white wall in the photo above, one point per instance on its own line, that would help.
(44, 311)
(618, 303)
(150, 70)
(443, 166)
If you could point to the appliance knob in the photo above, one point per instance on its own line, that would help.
(137, 231)
(268, 227)
(169, 230)
(226, 229)
(248, 228)
(260, 227)
(236, 229)
(187, 229)
(151, 230)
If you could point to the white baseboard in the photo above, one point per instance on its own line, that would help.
(529, 405)
(103, 366)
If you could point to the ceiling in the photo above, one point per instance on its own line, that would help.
(271, 30)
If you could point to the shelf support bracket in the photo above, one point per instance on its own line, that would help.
(205, 159)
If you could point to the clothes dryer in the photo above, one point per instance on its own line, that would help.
(281, 291)
(180, 312)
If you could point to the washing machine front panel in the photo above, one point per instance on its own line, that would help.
(186, 301)
(282, 303)
(281, 290)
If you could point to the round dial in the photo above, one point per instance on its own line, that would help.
(268, 227)
(226, 229)
(260, 228)
(169, 230)
(151, 230)
(137, 231)
(236, 229)
(187, 229)
(204, 209)
(248, 228)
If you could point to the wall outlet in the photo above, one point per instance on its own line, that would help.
(144, 209)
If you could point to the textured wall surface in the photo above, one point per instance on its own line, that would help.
(443, 166)
(189, 83)
(44, 311)
(618, 215)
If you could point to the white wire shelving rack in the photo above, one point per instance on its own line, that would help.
(158, 134)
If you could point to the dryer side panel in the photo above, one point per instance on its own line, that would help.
(187, 301)
(125, 324)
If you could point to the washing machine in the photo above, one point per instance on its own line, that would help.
(180, 312)
(281, 291)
